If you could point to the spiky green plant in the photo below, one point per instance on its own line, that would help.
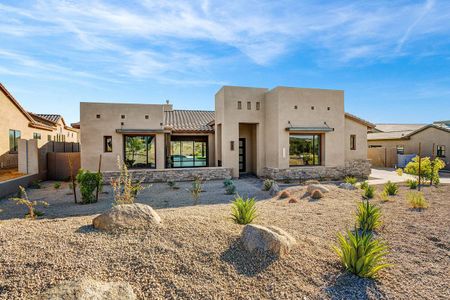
(350, 179)
(243, 211)
(267, 184)
(369, 192)
(384, 196)
(412, 184)
(31, 205)
(227, 182)
(361, 254)
(391, 188)
(364, 185)
(230, 189)
(417, 200)
(368, 216)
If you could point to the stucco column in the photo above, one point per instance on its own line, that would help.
(28, 160)
(160, 153)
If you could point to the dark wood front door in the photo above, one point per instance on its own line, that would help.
(242, 162)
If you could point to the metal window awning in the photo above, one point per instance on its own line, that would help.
(325, 128)
(140, 131)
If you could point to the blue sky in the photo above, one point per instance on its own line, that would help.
(392, 58)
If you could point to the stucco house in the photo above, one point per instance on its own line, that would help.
(279, 133)
(405, 139)
(17, 123)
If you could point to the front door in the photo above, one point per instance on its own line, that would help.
(242, 156)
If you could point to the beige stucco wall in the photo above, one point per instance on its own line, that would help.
(428, 138)
(360, 131)
(93, 130)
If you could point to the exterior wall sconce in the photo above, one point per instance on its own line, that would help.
(232, 145)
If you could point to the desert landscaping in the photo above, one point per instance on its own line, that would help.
(196, 251)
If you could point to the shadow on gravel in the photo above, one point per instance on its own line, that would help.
(349, 286)
(86, 229)
(246, 263)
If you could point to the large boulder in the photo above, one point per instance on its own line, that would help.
(267, 239)
(89, 289)
(313, 187)
(127, 216)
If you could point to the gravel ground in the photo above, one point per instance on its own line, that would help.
(195, 254)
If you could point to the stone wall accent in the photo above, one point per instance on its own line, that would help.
(357, 168)
(182, 174)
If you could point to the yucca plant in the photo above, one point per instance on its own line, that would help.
(417, 200)
(369, 192)
(412, 184)
(227, 182)
(391, 188)
(368, 216)
(230, 189)
(267, 184)
(350, 179)
(364, 185)
(361, 254)
(243, 211)
(384, 196)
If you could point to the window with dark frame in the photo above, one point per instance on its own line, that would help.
(36, 136)
(14, 136)
(98, 116)
(352, 142)
(249, 105)
(122, 116)
(400, 149)
(107, 144)
(440, 151)
(188, 151)
(258, 105)
(239, 105)
(140, 151)
(305, 150)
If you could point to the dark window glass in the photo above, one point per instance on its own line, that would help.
(188, 152)
(440, 151)
(352, 142)
(49, 138)
(249, 105)
(14, 136)
(258, 105)
(98, 116)
(140, 151)
(239, 105)
(304, 150)
(107, 144)
(122, 116)
(146, 117)
(400, 149)
(36, 136)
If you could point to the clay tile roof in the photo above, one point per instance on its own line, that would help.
(50, 117)
(189, 120)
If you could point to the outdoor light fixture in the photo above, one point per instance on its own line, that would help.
(232, 145)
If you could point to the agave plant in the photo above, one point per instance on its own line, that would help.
(391, 188)
(361, 254)
(243, 211)
(364, 185)
(368, 216)
(369, 192)
(350, 179)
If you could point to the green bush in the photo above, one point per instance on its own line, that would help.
(57, 185)
(350, 179)
(243, 211)
(361, 254)
(391, 188)
(369, 192)
(429, 169)
(171, 183)
(230, 189)
(399, 172)
(228, 182)
(364, 185)
(88, 182)
(368, 216)
(417, 200)
(267, 184)
(412, 184)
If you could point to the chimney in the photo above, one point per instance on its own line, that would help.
(168, 106)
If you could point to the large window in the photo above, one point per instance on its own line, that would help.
(400, 149)
(352, 142)
(440, 151)
(36, 136)
(14, 136)
(188, 151)
(304, 150)
(107, 144)
(140, 151)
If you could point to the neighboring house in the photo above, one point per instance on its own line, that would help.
(17, 123)
(405, 139)
(279, 133)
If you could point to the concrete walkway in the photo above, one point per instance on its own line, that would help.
(381, 176)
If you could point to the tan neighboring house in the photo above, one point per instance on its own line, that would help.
(17, 123)
(280, 133)
(405, 139)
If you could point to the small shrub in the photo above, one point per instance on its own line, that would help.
(361, 254)
(384, 196)
(391, 188)
(368, 216)
(399, 172)
(417, 200)
(350, 179)
(369, 192)
(429, 169)
(125, 188)
(88, 183)
(171, 183)
(57, 185)
(267, 184)
(36, 184)
(316, 194)
(196, 189)
(284, 194)
(412, 184)
(228, 182)
(31, 205)
(230, 189)
(364, 185)
(243, 211)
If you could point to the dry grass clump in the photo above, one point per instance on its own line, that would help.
(417, 200)
(124, 187)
